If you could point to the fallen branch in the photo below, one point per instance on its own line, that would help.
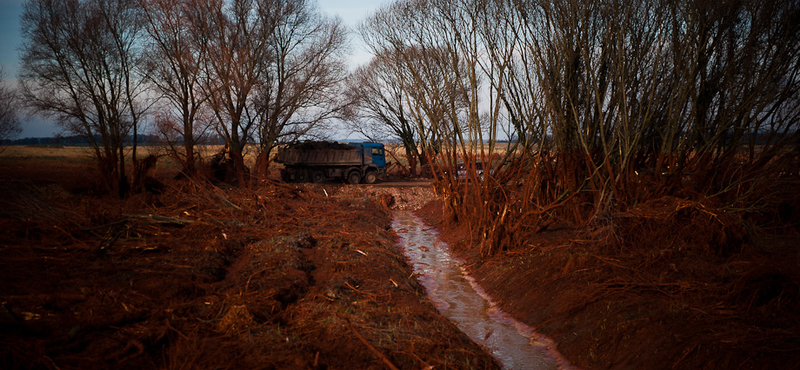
(371, 348)
(228, 202)
(163, 219)
(369, 295)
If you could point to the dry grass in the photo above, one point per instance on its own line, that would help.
(686, 262)
(198, 276)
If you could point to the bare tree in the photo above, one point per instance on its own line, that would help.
(380, 108)
(438, 78)
(174, 64)
(233, 35)
(272, 71)
(79, 65)
(438, 56)
(302, 79)
(9, 122)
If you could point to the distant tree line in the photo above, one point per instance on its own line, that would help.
(78, 140)
(248, 71)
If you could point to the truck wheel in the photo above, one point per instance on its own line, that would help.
(318, 177)
(301, 176)
(286, 176)
(354, 177)
(371, 177)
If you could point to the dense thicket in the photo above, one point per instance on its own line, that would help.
(608, 103)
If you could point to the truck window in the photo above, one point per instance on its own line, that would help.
(377, 151)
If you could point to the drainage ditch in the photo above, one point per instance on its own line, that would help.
(460, 299)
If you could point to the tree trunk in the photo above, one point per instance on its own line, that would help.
(239, 167)
(412, 162)
(262, 166)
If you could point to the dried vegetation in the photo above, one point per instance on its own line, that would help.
(696, 269)
(200, 277)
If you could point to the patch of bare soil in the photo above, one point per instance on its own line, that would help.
(199, 277)
(670, 284)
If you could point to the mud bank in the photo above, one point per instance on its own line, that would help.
(660, 301)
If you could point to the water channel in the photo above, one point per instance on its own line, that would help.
(459, 299)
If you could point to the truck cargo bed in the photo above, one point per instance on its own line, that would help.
(320, 157)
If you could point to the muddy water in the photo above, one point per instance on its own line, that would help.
(459, 299)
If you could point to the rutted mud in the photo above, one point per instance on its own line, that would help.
(458, 298)
(273, 277)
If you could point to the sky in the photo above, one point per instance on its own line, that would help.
(352, 13)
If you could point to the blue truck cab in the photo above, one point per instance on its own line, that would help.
(374, 150)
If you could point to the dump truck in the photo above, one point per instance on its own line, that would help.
(319, 161)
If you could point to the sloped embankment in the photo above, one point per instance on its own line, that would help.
(670, 284)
